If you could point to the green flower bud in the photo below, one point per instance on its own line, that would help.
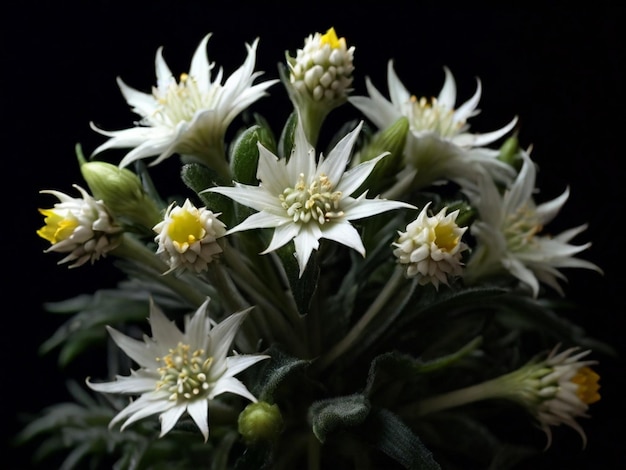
(121, 190)
(509, 152)
(260, 422)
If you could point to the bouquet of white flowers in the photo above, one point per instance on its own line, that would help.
(370, 304)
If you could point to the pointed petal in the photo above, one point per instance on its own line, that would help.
(447, 95)
(354, 177)
(283, 234)
(236, 364)
(199, 412)
(362, 207)
(169, 418)
(232, 385)
(142, 104)
(261, 220)
(305, 242)
(223, 334)
(134, 349)
(335, 164)
(252, 196)
(397, 91)
(345, 234)
(164, 331)
(200, 67)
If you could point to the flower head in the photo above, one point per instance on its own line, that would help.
(189, 116)
(556, 390)
(82, 227)
(306, 201)
(187, 237)
(431, 247)
(508, 234)
(180, 371)
(320, 78)
(439, 144)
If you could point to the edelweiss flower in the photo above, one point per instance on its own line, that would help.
(187, 237)
(82, 227)
(431, 247)
(180, 371)
(439, 145)
(556, 390)
(188, 117)
(305, 201)
(320, 78)
(507, 234)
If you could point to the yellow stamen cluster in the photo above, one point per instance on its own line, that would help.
(425, 114)
(185, 229)
(58, 227)
(184, 373)
(588, 386)
(317, 201)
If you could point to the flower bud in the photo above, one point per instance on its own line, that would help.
(121, 190)
(260, 422)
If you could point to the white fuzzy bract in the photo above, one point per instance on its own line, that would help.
(180, 371)
(82, 227)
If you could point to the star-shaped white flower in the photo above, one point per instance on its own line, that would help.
(180, 371)
(306, 201)
(188, 117)
(508, 234)
(439, 145)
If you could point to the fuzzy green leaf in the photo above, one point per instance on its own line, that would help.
(329, 415)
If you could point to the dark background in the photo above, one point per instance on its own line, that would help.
(560, 70)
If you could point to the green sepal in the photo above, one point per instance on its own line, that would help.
(285, 144)
(329, 415)
(392, 140)
(510, 152)
(244, 156)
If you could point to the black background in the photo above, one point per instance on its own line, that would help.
(559, 69)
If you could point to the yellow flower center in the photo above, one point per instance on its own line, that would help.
(316, 201)
(427, 114)
(331, 39)
(445, 237)
(587, 381)
(184, 373)
(184, 229)
(57, 228)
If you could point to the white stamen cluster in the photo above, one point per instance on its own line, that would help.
(431, 115)
(318, 201)
(184, 373)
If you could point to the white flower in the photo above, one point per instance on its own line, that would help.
(188, 117)
(187, 237)
(82, 227)
(439, 145)
(306, 201)
(508, 234)
(180, 371)
(431, 247)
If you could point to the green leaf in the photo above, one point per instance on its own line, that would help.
(302, 287)
(389, 434)
(244, 156)
(277, 370)
(331, 414)
(198, 178)
(285, 144)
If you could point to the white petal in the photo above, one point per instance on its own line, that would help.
(305, 242)
(353, 178)
(164, 331)
(397, 91)
(198, 327)
(362, 207)
(231, 385)
(345, 234)
(272, 172)
(283, 234)
(223, 334)
(133, 385)
(335, 164)
(164, 76)
(199, 412)
(261, 220)
(236, 364)
(252, 196)
(447, 95)
(169, 418)
(142, 103)
(137, 350)
(200, 68)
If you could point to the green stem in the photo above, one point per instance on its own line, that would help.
(357, 330)
(133, 249)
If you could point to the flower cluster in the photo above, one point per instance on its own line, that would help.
(385, 282)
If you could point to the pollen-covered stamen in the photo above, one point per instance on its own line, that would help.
(180, 101)
(425, 114)
(520, 228)
(184, 373)
(317, 201)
